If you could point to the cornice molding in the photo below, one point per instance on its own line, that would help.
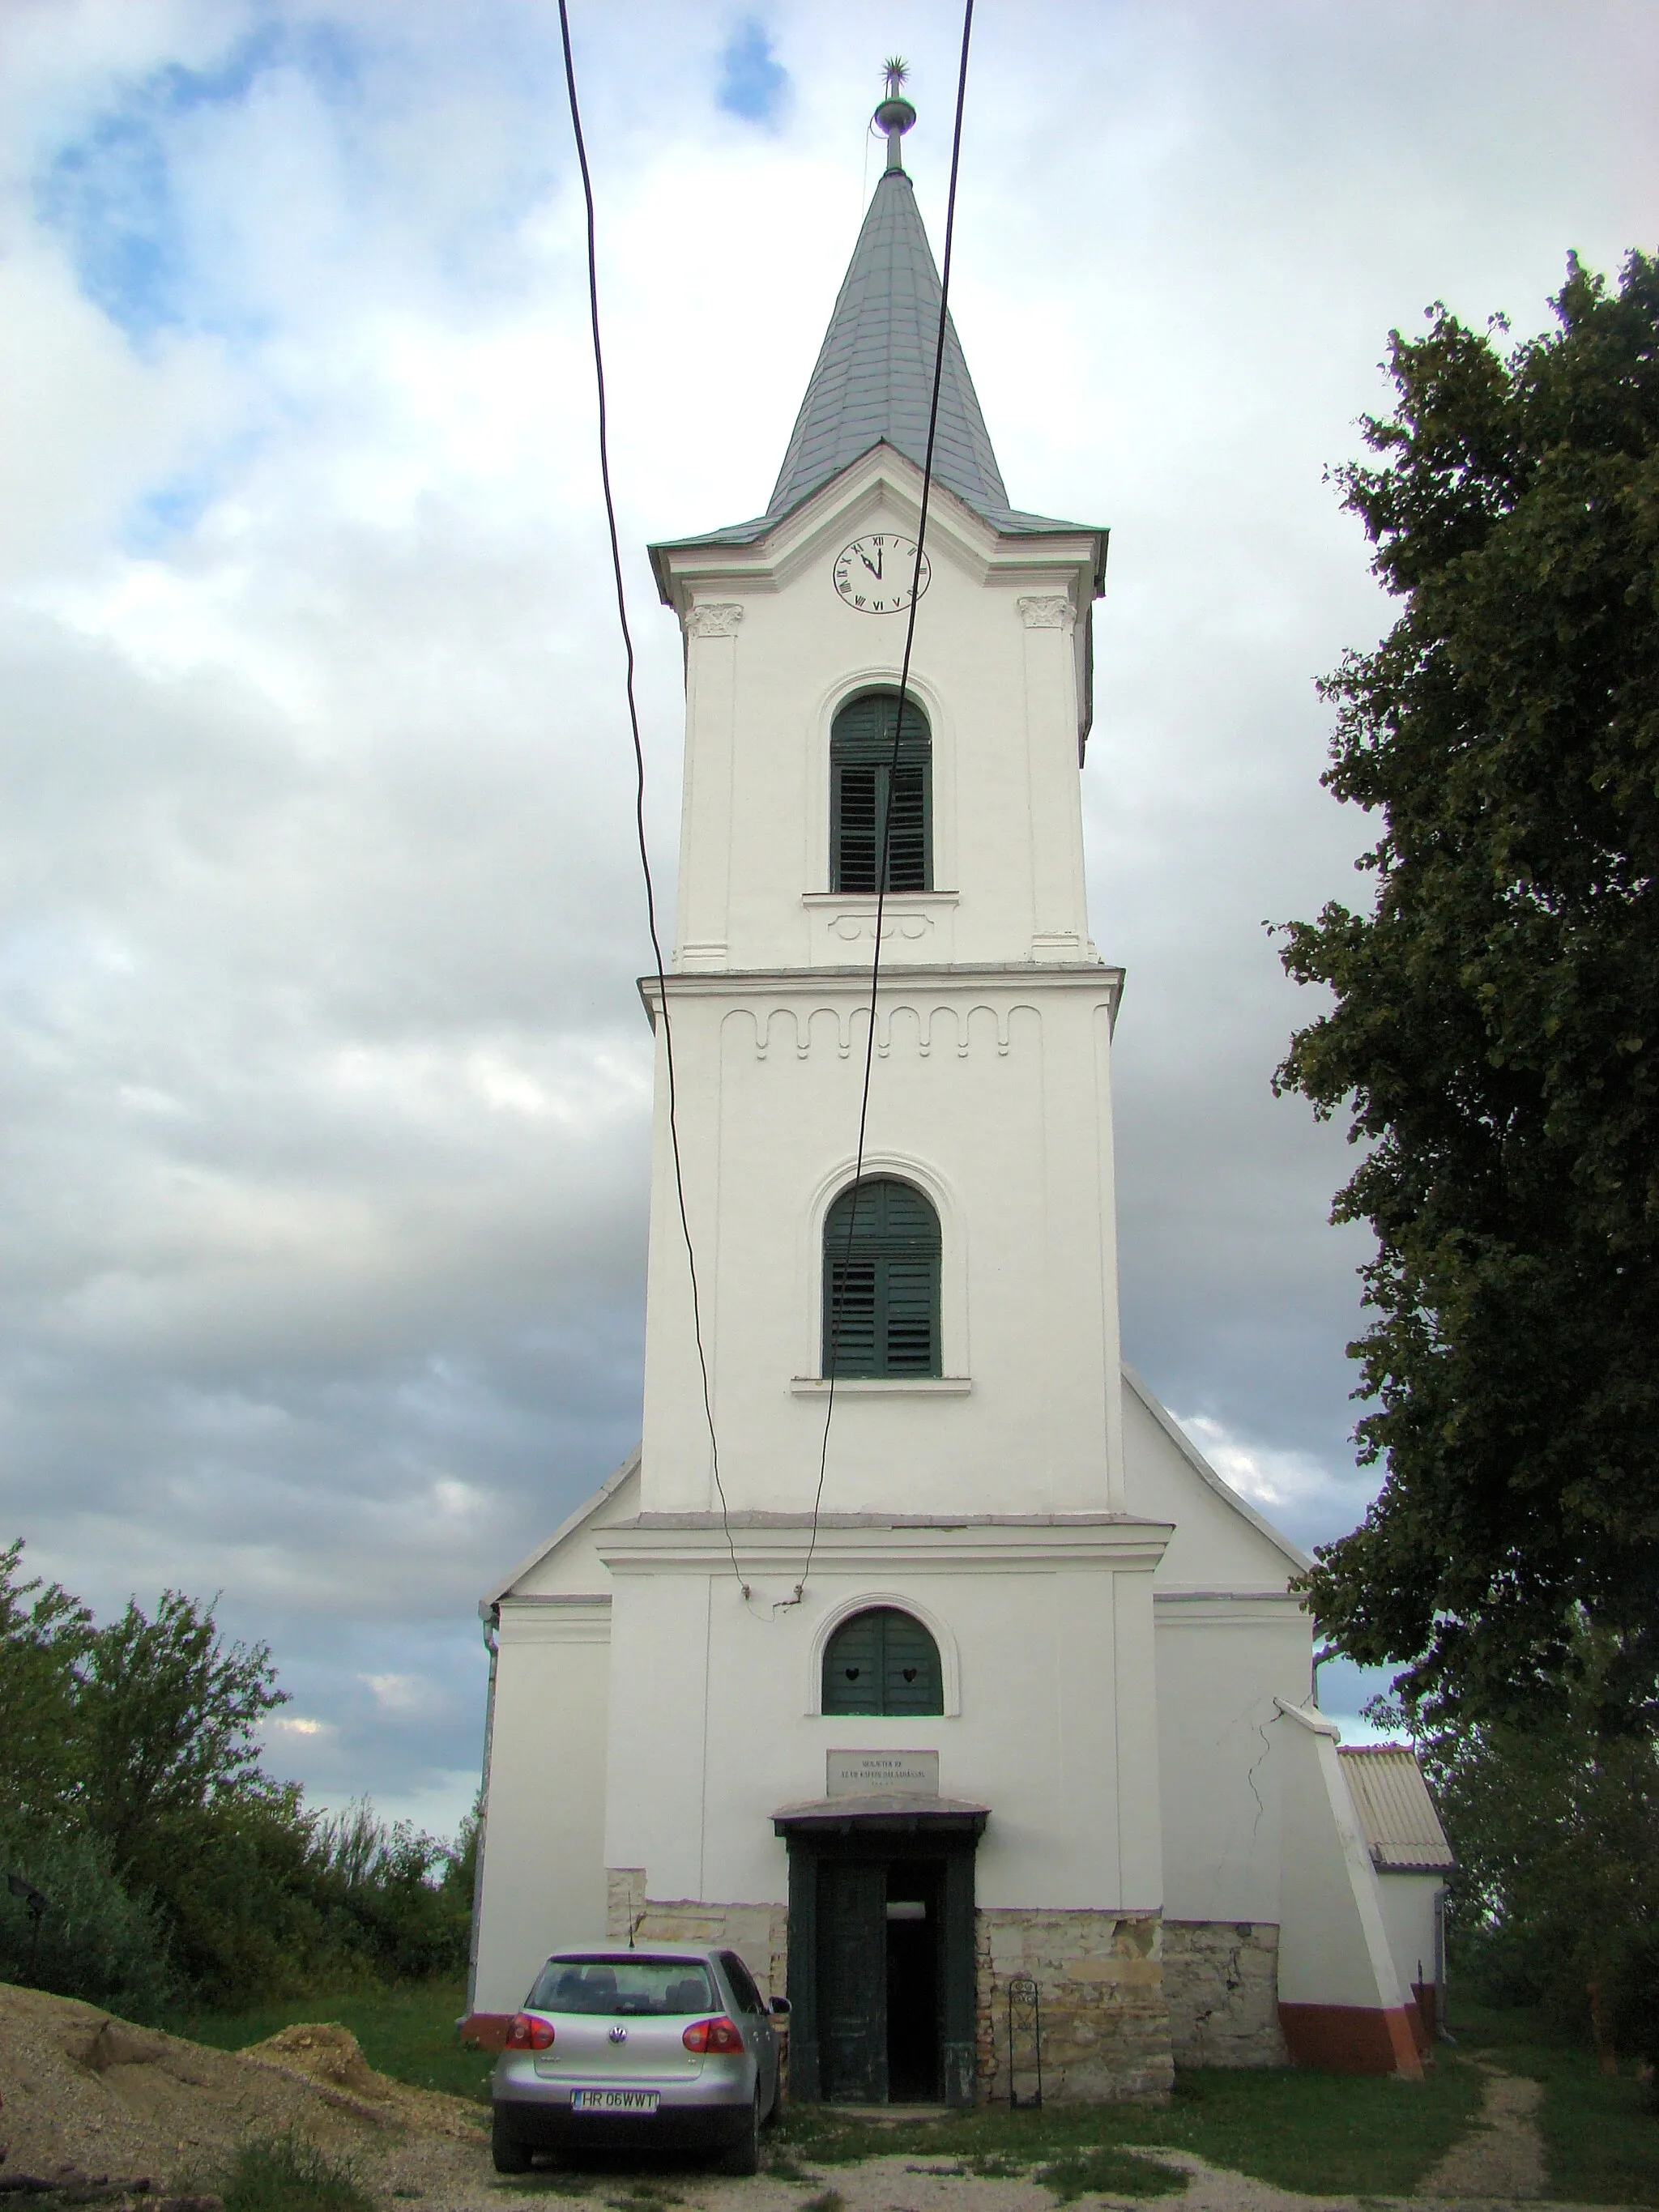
(697, 1543)
(1012, 977)
(555, 1619)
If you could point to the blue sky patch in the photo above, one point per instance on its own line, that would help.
(171, 510)
(110, 192)
(754, 83)
(111, 197)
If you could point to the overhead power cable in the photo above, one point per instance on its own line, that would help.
(834, 1346)
(639, 782)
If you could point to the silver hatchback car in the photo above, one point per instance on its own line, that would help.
(670, 2048)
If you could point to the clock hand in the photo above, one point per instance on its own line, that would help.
(874, 566)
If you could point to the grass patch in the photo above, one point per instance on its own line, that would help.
(1110, 2174)
(1601, 2139)
(1327, 2133)
(407, 2031)
(286, 2174)
(827, 2200)
(642, 2195)
(782, 2167)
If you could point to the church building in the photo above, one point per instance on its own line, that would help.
(993, 1716)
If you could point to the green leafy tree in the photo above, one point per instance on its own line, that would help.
(1555, 1823)
(1495, 1028)
(132, 1796)
(167, 1714)
(44, 1633)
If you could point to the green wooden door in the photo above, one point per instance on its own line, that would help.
(852, 1981)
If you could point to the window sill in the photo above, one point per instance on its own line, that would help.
(864, 901)
(882, 1386)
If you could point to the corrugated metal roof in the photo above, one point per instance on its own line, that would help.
(873, 383)
(1396, 1813)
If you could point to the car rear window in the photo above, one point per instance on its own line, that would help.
(632, 1983)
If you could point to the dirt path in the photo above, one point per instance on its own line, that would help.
(1501, 2157)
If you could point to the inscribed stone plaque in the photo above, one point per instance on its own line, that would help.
(865, 1773)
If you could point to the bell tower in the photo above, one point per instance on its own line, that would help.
(971, 1320)
(989, 1694)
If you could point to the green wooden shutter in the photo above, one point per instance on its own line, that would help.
(858, 840)
(852, 1666)
(912, 1679)
(881, 1267)
(906, 833)
(882, 1661)
(870, 793)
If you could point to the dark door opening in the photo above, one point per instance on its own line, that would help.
(913, 2021)
(882, 1973)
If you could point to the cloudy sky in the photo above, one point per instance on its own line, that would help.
(324, 1080)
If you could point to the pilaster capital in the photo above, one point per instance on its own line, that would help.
(714, 618)
(1053, 612)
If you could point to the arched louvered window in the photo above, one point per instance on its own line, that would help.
(872, 794)
(881, 1257)
(882, 1661)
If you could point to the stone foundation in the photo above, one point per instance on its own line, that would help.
(1221, 1977)
(1100, 1981)
(759, 1934)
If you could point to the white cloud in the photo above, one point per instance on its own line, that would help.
(399, 1693)
(1279, 1482)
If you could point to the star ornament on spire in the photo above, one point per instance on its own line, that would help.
(895, 115)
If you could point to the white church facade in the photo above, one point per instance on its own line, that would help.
(1006, 1687)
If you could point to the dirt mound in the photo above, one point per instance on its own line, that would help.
(323, 2051)
(330, 2057)
(84, 2093)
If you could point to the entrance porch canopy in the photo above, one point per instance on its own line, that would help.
(881, 1814)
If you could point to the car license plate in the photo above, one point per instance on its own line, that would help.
(613, 2101)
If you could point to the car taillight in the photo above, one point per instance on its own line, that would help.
(527, 2032)
(720, 2034)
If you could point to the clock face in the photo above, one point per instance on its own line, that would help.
(873, 574)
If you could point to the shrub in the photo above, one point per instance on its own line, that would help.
(1633, 1991)
(96, 1940)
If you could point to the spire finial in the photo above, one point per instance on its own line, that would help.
(894, 115)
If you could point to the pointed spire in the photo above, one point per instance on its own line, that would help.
(874, 378)
(874, 382)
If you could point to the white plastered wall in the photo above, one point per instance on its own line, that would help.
(1333, 1947)
(1231, 1642)
(542, 1881)
(993, 1095)
(1408, 1917)
(544, 1868)
(716, 1721)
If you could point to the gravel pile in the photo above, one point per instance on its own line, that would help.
(86, 2098)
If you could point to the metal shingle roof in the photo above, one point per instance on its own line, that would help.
(1396, 1813)
(874, 382)
(874, 375)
